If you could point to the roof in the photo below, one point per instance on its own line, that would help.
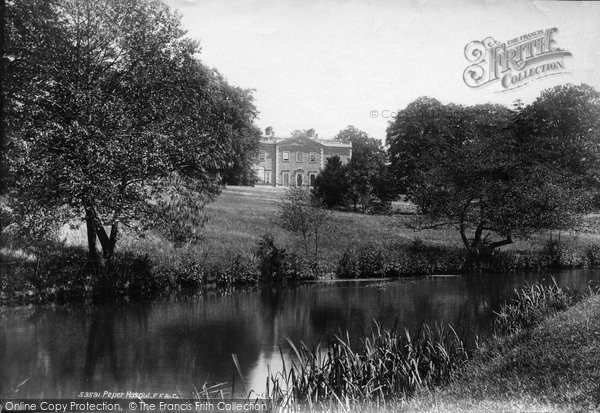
(271, 139)
(325, 142)
(329, 142)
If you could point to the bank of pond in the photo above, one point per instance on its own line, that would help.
(66, 273)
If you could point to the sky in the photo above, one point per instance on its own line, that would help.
(329, 64)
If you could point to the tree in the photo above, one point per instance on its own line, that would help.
(301, 214)
(367, 169)
(237, 109)
(561, 129)
(417, 135)
(305, 133)
(111, 116)
(3, 140)
(331, 184)
(351, 134)
(481, 170)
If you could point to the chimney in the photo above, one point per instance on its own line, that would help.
(269, 131)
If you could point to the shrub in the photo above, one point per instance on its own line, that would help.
(297, 267)
(593, 254)
(301, 213)
(276, 264)
(243, 268)
(562, 255)
(271, 259)
(379, 207)
(510, 261)
(373, 261)
(366, 261)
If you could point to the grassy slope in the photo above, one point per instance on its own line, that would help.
(555, 367)
(241, 215)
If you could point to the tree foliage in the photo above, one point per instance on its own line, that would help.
(497, 174)
(300, 213)
(331, 184)
(367, 169)
(365, 178)
(111, 115)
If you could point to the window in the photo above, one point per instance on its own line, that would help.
(286, 156)
(313, 157)
(267, 177)
(312, 179)
(261, 156)
(298, 156)
(286, 178)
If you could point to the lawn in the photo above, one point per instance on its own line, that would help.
(239, 216)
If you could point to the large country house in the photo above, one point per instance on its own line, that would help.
(295, 160)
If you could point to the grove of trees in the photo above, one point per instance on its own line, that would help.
(497, 174)
(110, 118)
(364, 180)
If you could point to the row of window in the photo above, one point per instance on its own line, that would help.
(298, 179)
(285, 175)
(312, 156)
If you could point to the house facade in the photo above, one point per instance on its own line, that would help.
(295, 161)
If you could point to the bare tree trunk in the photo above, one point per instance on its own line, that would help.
(108, 242)
(102, 236)
(112, 241)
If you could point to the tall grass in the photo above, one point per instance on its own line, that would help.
(531, 305)
(389, 366)
(386, 365)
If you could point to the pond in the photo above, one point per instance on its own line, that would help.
(178, 344)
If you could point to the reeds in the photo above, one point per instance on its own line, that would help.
(383, 366)
(531, 305)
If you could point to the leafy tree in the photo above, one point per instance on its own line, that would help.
(300, 213)
(331, 184)
(417, 136)
(367, 169)
(306, 133)
(561, 129)
(238, 111)
(3, 143)
(111, 116)
(481, 169)
(351, 134)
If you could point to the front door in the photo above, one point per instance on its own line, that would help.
(299, 179)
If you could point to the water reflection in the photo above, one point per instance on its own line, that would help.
(178, 344)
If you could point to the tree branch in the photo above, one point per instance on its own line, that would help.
(438, 225)
(497, 244)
